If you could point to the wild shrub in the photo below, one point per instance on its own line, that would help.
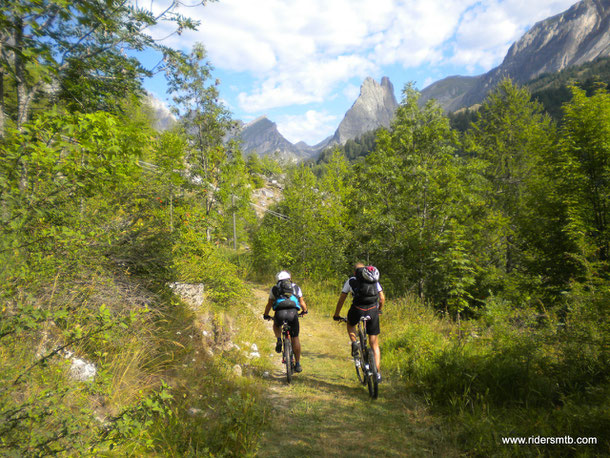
(513, 372)
(197, 261)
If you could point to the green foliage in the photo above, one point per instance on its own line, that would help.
(217, 171)
(553, 90)
(513, 372)
(584, 175)
(353, 149)
(311, 239)
(461, 120)
(98, 213)
(410, 205)
(512, 139)
(197, 261)
(231, 428)
(44, 410)
(82, 47)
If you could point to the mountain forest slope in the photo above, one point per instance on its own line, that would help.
(574, 37)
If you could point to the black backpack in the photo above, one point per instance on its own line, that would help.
(285, 296)
(364, 286)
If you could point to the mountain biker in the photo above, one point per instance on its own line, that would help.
(286, 298)
(368, 299)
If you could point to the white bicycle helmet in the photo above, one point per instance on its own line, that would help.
(283, 275)
(370, 274)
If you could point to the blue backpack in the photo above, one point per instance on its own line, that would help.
(285, 296)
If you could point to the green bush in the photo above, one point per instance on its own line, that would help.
(197, 261)
(512, 372)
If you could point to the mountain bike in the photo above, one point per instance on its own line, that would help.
(364, 360)
(288, 358)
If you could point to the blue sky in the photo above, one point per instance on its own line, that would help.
(301, 62)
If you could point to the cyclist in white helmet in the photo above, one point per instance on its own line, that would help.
(286, 299)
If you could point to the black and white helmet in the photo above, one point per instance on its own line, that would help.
(370, 274)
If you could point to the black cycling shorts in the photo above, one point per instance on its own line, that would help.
(291, 316)
(372, 325)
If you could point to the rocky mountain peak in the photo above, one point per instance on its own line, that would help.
(261, 136)
(576, 36)
(374, 107)
(573, 37)
(262, 122)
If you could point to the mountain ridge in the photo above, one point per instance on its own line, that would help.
(373, 108)
(578, 35)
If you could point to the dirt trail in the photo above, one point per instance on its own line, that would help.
(326, 412)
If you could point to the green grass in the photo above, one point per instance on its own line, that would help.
(326, 412)
(507, 374)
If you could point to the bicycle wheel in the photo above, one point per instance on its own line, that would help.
(288, 357)
(362, 357)
(359, 367)
(372, 382)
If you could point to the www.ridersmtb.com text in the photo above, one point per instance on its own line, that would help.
(542, 440)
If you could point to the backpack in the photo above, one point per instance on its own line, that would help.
(364, 286)
(285, 296)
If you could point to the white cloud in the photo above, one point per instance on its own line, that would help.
(351, 92)
(304, 51)
(313, 81)
(488, 29)
(310, 127)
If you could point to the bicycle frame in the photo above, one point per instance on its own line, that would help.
(288, 357)
(366, 367)
(287, 351)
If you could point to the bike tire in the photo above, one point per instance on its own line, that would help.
(359, 369)
(373, 384)
(288, 357)
(362, 356)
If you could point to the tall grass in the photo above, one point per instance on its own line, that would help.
(157, 388)
(513, 372)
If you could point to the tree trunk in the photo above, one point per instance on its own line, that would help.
(1, 101)
(20, 74)
(509, 254)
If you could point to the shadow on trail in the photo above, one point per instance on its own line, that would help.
(336, 385)
(313, 357)
(340, 388)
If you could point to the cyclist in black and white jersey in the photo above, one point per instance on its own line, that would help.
(368, 299)
(286, 299)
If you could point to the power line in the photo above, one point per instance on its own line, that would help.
(154, 168)
(271, 212)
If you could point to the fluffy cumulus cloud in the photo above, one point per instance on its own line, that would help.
(299, 51)
(310, 82)
(307, 51)
(306, 127)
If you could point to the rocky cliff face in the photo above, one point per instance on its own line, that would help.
(573, 37)
(262, 137)
(374, 107)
